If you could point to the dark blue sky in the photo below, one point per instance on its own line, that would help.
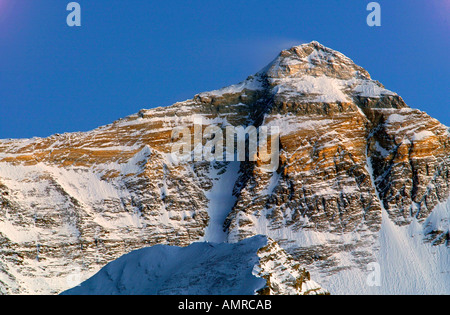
(134, 54)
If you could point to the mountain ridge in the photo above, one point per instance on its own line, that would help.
(243, 268)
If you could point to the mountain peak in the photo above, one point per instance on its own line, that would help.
(313, 45)
(314, 59)
(313, 73)
(310, 73)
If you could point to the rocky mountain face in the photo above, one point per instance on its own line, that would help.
(356, 165)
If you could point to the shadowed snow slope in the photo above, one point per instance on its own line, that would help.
(201, 269)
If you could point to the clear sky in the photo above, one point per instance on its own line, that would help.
(134, 54)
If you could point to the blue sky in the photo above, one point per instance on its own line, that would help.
(134, 54)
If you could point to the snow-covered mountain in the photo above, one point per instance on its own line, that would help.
(243, 268)
(362, 185)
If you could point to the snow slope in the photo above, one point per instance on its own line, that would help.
(254, 265)
(404, 264)
(221, 202)
(201, 268)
